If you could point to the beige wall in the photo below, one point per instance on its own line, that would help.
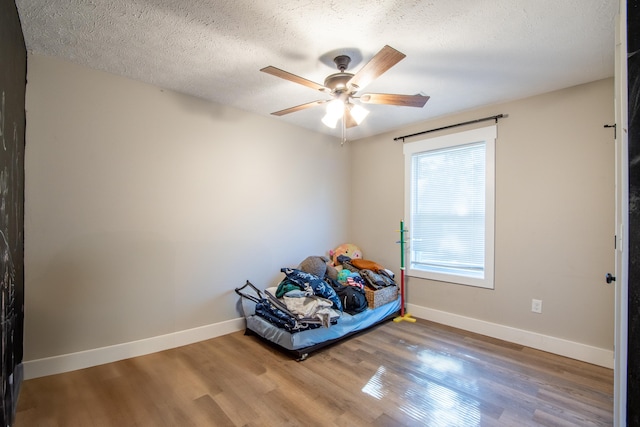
(145, 208)
(554, 215)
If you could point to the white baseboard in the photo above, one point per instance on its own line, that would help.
(98, 356)
(574, 350)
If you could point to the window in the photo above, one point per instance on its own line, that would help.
(449, 206)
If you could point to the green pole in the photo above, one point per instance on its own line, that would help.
(402, 244)
(402, 316)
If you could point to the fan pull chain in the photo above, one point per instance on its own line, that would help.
(344, 126)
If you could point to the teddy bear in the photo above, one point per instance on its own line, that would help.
(319, 266)
(348, 249)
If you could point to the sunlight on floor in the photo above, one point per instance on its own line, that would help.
(431, 402)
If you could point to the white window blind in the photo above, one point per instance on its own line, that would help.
(450, 207)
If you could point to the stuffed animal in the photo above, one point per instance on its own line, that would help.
(318, 266)
(348, 249)
(343, 275)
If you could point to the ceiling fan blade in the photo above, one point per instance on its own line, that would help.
(381, 62)
(292, 77)
(297, 108)
(394, 99)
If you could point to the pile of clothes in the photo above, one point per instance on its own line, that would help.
(307, 297)
(362, 272)
(274, 311)
(316, 293)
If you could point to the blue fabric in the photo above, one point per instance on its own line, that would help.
(281, 319)
(319, 286)
(346, 325)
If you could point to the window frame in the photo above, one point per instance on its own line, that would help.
(487, 135)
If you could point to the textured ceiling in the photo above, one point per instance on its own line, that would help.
(462, 53)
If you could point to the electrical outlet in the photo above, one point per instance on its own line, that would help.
(536, 305)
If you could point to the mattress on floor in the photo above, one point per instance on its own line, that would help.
(347, 324)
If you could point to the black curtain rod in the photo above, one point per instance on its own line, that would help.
(499, 116)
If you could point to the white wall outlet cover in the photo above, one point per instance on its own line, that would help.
(536, 305)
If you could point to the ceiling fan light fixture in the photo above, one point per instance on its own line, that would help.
(358, 113)
(330, 121)
(335, 110)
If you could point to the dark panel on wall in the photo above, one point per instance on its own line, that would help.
(13, 69)
(633, 341)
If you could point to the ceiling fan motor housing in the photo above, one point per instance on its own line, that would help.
(337, 82)
(342, 62)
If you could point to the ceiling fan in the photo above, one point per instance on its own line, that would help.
(343, 86)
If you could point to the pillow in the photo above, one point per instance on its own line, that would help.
(319, 286)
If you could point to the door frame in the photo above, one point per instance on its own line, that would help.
(621, 220)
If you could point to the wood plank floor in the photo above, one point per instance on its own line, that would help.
(398, 374)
